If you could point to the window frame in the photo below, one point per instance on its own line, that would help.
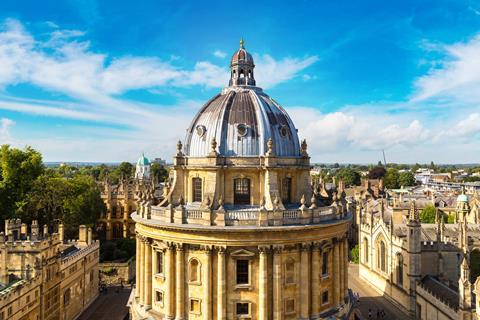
(294, 311)
(198, 281)
(326, 274)
(190, 301)
(197, 194)
(249, 278)
(243, 316)
(322, 302)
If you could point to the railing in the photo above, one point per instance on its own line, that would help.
(241, 215)
(290, 214)
(194, 214)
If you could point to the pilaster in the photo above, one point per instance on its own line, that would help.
(221, 285)
(179, 283)
(304, 281)
(263, 284)
(277, 284)
(316, 280)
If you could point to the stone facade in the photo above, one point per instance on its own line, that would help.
(422, 268)
(44, 277)
(241, 232)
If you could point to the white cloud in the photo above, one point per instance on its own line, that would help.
(5, 125)
(270, 72)
(466, 127)
(219, 54)
(335, 131)
(457, 76)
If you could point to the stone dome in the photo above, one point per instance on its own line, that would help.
(241, 119)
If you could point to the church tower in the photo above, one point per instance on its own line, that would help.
(464, 285)
(142, 169)
(414, 254)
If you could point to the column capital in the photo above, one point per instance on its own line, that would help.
(278, 249)
(206, 249)
(179, 246)
(305, 246)
(316, 246)
(264, 249)
(221, 250)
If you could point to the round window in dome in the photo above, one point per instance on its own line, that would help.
(283, 131)
(242, 130)
(201, 130)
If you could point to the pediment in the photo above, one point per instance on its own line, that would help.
(242, 253)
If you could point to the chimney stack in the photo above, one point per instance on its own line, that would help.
(35, 230)
(61, 232)
(89, 236)
(82, 234)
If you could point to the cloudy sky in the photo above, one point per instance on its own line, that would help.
(108, 80)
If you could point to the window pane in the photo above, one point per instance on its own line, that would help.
(242, 271)
(242, 308)
(197, 190)
(286, 190)
(325, 263)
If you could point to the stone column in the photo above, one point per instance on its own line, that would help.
(263, 285)
(345, 274)
(180, 281)
(221, 285)
(137, 268)
(142, 271)
(207, 289)
(341, 268)
(277, 284)
(148, 275)
(304, 281)
(169, 277)
(336, 273)
(316, 270)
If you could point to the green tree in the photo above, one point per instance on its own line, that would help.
(74, 201)
(377, 172)
(126, 169)
(391, 178)
(355, 254)
(18, 171)
(159, 172)
(406, 178)
(349, 176)
(427, 215)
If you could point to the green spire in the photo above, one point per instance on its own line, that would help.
(242, 43)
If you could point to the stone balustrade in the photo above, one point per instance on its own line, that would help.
(239, 217)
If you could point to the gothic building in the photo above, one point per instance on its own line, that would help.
(43, 276)
(241, 232)
(425, 269)
(121, 200)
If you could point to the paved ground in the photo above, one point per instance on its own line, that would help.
(370, 299)
(108, 306)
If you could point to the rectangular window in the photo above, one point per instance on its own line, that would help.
(290, 306)
(195, 306)
(325, 264)
(242, 309)
(197, 189)
(324, 297)
(159, 297)
(159, 262)
(286, 190)
(242, 272)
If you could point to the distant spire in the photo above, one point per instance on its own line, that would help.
(242, 42)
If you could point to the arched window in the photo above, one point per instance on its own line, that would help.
(197, 189)
(365, 250)
(290, 271)
(287, 190)
(382, 259)
(66, 297)
(325, 264)
(117, 230)
(242, 74)
(194, 271)
(400, 269)
(241, 191)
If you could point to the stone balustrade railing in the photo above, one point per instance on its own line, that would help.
(243, 217)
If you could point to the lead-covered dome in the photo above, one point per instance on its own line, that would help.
(241, 119)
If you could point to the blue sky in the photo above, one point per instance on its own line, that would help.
(108, 80)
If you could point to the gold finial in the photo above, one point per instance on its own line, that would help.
(242, 43)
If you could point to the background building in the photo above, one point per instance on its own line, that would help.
(44, 277)
(241, 232)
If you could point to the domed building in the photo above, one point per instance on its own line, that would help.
(241, 232)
